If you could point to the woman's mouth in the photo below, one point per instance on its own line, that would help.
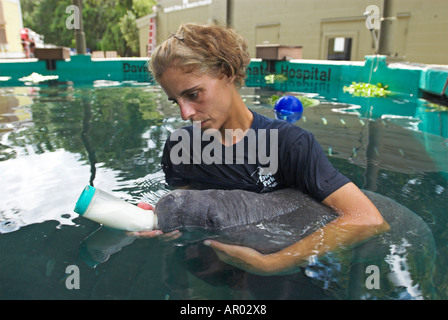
(200, 123)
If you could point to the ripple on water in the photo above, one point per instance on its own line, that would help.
(8, 226)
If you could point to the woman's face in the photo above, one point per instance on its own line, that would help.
(201, 98)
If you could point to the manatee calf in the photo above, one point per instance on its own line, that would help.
(266, 222)
(269, 222)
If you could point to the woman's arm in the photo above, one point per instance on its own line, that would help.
(358, 220)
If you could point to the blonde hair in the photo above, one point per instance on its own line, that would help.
(207, 49)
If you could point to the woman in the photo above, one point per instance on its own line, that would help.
(201, 69)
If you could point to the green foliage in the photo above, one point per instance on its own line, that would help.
(142, 7)
(434, 107)
(362, 89)
(47, 17)
(128, 28)
(275, 78)
(109, 25)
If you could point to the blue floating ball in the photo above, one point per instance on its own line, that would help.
(288, 108)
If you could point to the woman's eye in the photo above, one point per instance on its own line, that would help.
(193, 95)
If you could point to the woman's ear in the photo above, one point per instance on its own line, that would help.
(226, 74)
(230, 80)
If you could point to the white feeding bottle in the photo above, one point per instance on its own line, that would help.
(114, 212)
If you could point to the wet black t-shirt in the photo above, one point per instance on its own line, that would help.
(273, 154)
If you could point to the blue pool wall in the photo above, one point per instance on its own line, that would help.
(79, 69)
(407, 81)
(403, 78)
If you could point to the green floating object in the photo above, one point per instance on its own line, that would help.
(362, 89)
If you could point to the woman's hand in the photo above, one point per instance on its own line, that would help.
(155, 233)
(146, 206)
(358, 220)
(241, 257)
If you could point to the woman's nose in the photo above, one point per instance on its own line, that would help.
(186, 111)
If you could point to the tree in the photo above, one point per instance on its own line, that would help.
(128, 25)
(109, 25)
(128, 28)
(142, 8)
(47, 17)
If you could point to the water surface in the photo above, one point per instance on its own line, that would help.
(57, 139)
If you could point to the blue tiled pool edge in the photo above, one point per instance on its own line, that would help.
(401, 77)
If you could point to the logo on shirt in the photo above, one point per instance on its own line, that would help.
(264, 178)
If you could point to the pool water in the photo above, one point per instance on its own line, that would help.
(57, 139)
